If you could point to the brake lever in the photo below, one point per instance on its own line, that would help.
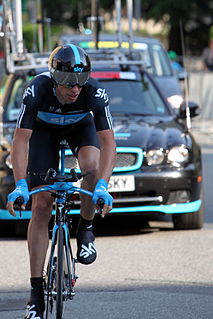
(19, 202)
(100, 203)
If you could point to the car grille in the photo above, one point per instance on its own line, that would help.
(128, 159)
(70, 161)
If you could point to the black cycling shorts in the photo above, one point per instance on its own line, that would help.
(45, 141)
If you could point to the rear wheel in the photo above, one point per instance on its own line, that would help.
(60, 275)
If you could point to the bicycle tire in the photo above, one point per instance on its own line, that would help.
(50, 281)
(60, 274)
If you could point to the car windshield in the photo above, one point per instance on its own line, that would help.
(15, 99)
(126, 96)
(160, 61)
(135, 97)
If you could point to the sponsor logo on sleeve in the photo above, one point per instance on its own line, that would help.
(29, 91)
(102, 94)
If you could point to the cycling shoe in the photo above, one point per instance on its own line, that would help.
(33, 312)
(86, 251)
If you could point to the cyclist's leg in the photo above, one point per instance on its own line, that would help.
(43, 154)
(86, 147)
(84, 143)
(38, 232)
(88, 158)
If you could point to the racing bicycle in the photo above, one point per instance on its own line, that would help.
(60, 276)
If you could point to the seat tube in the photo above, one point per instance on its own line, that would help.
(62, 158)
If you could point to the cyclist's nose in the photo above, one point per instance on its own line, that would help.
(75, 88)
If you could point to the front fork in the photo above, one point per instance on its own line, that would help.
(70, 276)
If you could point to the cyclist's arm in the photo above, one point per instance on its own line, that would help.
(19, 154)
(107, 153)
(19, 157)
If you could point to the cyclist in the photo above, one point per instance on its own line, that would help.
(63, 103)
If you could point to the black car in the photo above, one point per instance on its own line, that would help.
(152, 53)
(158, 169)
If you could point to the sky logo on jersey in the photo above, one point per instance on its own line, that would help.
(102, 94)
(77, 69)
(29, 91)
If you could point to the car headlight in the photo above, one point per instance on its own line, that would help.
(175, 101)
(178, 155)
(155, 157)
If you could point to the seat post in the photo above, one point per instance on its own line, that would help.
(63, 146)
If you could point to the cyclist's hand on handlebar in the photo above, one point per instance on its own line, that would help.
(21, 190)
(101, 192)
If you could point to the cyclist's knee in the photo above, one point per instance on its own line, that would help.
(90, 179)
(42, 207)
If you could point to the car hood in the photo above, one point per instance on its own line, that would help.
(136, 131)
(148, 133)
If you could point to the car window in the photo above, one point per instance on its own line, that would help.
(143, 47)
(15, 99)
(160, 61)
(135, 97)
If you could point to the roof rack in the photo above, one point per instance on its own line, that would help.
(17, 59)
(120, 57)
(15, 56)
(26, 61)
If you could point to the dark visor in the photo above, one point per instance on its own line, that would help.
(70, 79)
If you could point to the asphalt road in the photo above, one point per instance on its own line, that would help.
(149, 273)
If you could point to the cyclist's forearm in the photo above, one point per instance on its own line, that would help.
(19, 159)
(107, 161)
(19, 154)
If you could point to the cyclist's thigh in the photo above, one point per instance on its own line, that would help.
(82, 134)
(43, 153)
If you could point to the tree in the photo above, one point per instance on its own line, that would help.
(196, 17)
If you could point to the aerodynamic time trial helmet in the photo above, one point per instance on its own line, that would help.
(69, 65)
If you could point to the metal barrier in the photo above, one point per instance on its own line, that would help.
(201, 92)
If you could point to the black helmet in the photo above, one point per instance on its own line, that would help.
(69, 65)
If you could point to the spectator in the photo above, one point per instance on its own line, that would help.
(177, 67)
(207, 57)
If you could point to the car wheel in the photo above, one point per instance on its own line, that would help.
(189, 220)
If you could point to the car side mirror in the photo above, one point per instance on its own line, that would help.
(194, 110)
(182, 75)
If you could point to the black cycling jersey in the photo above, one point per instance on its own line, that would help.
(41, 104)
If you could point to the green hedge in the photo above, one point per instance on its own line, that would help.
(30, 35)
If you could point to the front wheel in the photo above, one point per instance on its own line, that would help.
(189, 220)
(60, 275)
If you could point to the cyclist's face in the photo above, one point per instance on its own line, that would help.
(69, 95)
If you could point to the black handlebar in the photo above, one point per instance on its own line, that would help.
(100, 203)
(52, 176)
(19, 201)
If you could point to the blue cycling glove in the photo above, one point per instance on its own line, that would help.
(21, 190)
(101, 192)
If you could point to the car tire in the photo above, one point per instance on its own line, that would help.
(189, 220)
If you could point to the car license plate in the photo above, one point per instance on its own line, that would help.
(121, 183)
